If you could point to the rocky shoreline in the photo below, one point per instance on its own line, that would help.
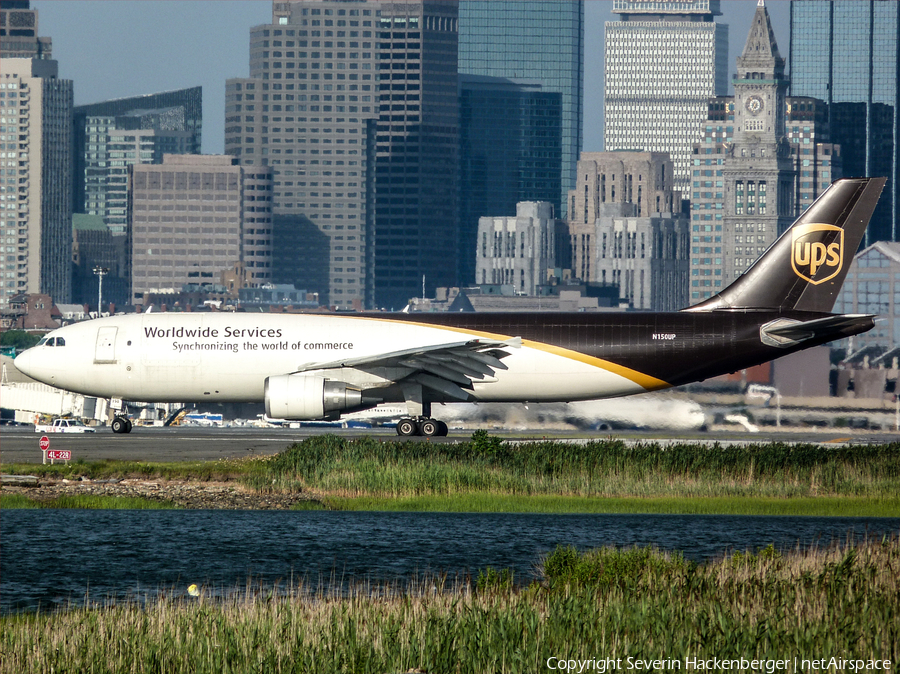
(187, 495)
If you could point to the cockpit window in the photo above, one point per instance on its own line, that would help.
(60, 341)
(42, 342)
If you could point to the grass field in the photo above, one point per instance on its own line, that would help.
(488, 474)
(609, 603)
(85, 502)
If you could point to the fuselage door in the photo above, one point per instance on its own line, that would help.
(106, 345)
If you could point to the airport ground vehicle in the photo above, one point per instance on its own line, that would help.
(64, 426)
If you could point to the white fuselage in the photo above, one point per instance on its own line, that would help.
(226, 357)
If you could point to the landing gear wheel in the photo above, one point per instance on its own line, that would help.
(128, 426)
(407, 427)
(119, 425)
(429, 428)
(442, 430)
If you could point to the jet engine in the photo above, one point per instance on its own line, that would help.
(308, 396)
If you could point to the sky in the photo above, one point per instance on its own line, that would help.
(120, 48)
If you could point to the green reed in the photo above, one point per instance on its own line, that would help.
(369, 467)
(86, 502)
(608, 603)
(486, 502)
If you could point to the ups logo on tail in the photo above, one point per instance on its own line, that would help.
(817, 252)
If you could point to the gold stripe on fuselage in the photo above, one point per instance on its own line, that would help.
(645, 381)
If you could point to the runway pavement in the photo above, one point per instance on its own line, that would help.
(20, 444)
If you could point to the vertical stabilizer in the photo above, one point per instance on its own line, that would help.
(805, 268)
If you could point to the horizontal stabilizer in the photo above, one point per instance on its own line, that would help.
(785, 332)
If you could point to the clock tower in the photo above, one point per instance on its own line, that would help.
(758, 171)
(760, 86)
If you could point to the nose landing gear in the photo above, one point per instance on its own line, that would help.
(121, 425)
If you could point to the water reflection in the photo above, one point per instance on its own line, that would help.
(52, 558)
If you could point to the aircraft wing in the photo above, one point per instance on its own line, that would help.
(449, 368)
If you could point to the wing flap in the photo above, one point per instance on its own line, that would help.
(442, 385)
(447, 368)
(460, 362)
(443, 372)
(470, 349)
(489, 360)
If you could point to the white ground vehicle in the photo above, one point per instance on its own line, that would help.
(64, 426)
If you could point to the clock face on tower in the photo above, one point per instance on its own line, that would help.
(754, 105)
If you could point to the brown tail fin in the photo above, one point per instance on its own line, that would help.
(805, 268)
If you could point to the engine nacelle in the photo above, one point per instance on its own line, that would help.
(308, 396)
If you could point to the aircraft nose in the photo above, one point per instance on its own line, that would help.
(25, 362)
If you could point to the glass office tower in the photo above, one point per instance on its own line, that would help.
(542, 41)
(847, 53)
(509, 150)
(111, 135)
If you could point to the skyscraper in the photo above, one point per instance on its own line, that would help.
(510, 149)
(417, 151)
(93, 246)
(818, 162)
(308, 111)
(354, 106)
(626, 227)
(19, 32)
(847, 53)
(108, 153)
(196, 216)
(541, 41)
(518, 250)
(111, 135)
(35, 175)
(664, 60)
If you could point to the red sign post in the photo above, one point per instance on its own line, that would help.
(54, 454)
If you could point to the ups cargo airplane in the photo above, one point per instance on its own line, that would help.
(318, 366)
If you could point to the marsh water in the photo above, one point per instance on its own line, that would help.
(56, 558)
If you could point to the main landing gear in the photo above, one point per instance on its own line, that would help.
(424, 426)
(121, 425)
(419, 421)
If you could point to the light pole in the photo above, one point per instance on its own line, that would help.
(767, 392)
(100, 272)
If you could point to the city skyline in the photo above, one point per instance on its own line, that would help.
(93, 43)
(171, 43)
